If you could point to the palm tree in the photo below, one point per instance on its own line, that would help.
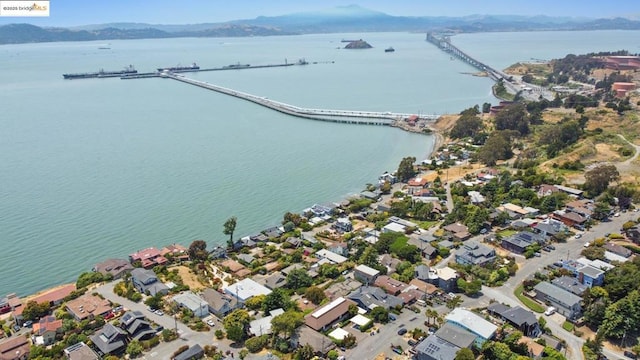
(229, 228)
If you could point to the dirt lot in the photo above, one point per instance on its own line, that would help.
(189, 278)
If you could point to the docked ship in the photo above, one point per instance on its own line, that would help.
(236, 66)
(102, 74)
(389, 49)
(192, 67)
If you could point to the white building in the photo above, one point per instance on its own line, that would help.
(483, 329)
(245, 289)
(330, 256)
(193, 302)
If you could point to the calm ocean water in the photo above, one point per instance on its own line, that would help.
(99, 168)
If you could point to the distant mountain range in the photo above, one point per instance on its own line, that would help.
(341, 19)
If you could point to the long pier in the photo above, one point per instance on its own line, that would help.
(338, 116)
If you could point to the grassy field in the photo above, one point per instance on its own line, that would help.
(534, 306)
(506, 233)
(567, 326)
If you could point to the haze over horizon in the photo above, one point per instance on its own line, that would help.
(67, 13)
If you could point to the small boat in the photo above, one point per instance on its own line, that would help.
(389, 49)
(104, 48)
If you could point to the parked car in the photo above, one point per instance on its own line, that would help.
(551, 247)
(412, 342)
(392, 317)
(578, 236)
(550, 311)
(402, 331)
(16, 327)
(27, 323)
(159, 312)
(159, 329)
(211, 323)
(630, 354)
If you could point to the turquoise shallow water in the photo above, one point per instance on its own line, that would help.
(102, 167)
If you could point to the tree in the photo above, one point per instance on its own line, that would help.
(236, 323)
(470, 288)
(287, 323)
(497, 147)
(465, 354)
(255, 302)
(277, 299)
(198, 251)
(305, 353)
(134, 349)
(299, 278)
(596, 301)
(380, 314)
(454, 303)
(467, 125)
(405, 169)
(315, 294)
(486, 108)
(155, 301)
(597, 179)
(513, 117)
(229, 228)
(34, 311)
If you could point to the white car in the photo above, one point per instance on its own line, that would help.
(211, 323)
(578, 236)
(550, 311)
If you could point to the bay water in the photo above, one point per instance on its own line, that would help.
(98, 168)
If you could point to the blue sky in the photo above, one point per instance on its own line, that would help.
(76, 12)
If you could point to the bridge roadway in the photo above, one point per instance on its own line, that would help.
(444, 43)
(341, 116)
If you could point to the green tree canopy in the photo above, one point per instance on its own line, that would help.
(513, 117)
(465, 354)
(598, 178)
(406, 170)
(299, 278)
(198, 251)
(315, 294)
(236, 323)
(287, 323)
(230, 228)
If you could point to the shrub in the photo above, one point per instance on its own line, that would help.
(180, 350)
(256, 344)
(219, 334)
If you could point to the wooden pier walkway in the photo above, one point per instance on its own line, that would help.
(341, 116)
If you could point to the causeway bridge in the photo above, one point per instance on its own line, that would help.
(338, 116)
(444, 43)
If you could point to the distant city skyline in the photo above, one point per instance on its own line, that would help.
(74, 12)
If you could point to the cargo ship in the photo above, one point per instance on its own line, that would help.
(389, 49)
(102, 74)
(193, 67)
(237, 66)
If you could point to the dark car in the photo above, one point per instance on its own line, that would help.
(412, 342)
(402, 331)
(630, 355)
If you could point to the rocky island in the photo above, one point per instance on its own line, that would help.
(358, 44)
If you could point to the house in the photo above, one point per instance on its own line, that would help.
(571, 284)
(458, 231)
(633, 233)
(192, 353)
(390, 285)
(518, 317)
(570, 219)
(618, 250)
(371, 195)
(324, 254)
(320, 343)
(262, 326)
(340, 248)
(570, 191)
(365, 274)
(475, 197)
(286, 271)
(15, 348)
(136, 325)
(244, 290)
(394, 227)
(88, 306)
(546, 190)
(389, 262)
(114, 267)
(343, 288)
(343, 225)
(55, 296)
(435, 348)
(426, 288)
(535, 350)
(456, 335)
(45, 330)
(148, 257)
(386, 177)
(80, 351)
(549, 228)
(246, 258)
(146, 281)
(272, 281)
(320, 210)
(110, 340)
(481, 328)
(219, 304)
(416, 185)
(273, 232)
(422, 272)
(369, 297)
(474, 253)
(176, 252)
(232, 266)
(193, 302)
(447, 279)
(325, 316)
(565, 302)
(519, 242)
(591, 276)
(613, 257)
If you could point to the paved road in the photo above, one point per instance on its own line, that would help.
(571, 249)
(164, 350)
